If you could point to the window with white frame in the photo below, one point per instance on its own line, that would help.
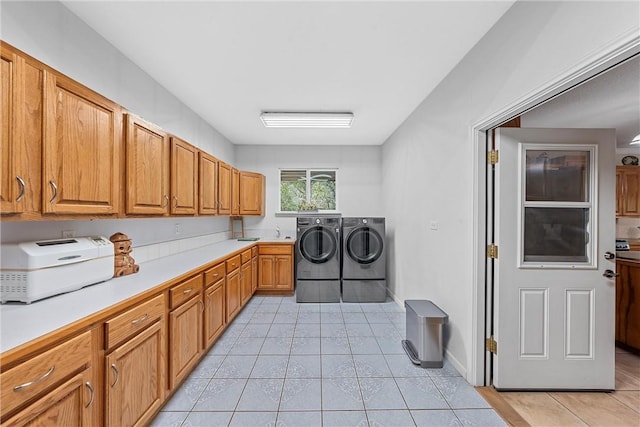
(308, 190)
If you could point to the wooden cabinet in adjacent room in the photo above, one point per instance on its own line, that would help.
(275, 268)
(254, 269)
(224, 189)
(184, 177)
(135, 364)
(208, 185)
(214, 303)
(147, 167)
(21, 118)
(628, 303)
(60, 385)
(81, 149)
(185, 328)
(251, 188)
(628, 191)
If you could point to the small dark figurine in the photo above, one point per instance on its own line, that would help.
(124, 263)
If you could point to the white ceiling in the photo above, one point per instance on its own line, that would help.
(228, 61)
(611, 100)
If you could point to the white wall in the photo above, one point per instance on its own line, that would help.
(359, 186)
(50, 33)
(428, 162)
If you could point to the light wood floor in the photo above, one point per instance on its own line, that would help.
(620, 408)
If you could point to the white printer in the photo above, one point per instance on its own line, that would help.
(34, 270)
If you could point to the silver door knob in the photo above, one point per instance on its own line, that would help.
(609, 274)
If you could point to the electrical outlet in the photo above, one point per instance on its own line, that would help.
(177, 228)
(434, 225)
(67, 234)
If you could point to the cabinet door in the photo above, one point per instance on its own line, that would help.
(208, 185)
(235, 191)
(70, 404)
(21, 134)
(147, 182)
(185, 339)
(224, 188)
(251, 193)
(136, 378)
(245, 279)
(184, 177)
(283, 272)
(81, 150)
(214, 318)
(233, 294)
(267, 272)
(254, 274)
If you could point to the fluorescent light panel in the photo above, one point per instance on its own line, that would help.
(307, 120)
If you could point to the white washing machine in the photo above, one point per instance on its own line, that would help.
(364, 260)
(318, 259)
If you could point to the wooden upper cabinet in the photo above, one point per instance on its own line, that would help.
(208, 185)
(184, 177)
(147, 159)
(21, 137)
(224, 188)
(81, 150)
(251, 193)
(235, 191)
(628, 191)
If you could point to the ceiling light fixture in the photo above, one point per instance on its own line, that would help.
(635, 140)
(306, 120)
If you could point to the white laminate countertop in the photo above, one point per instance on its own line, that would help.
(21, 323)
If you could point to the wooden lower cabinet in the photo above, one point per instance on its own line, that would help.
(135, 375)
(185, 339)
(254, 273)
(628, 303)
(275, 268)
(59, 382)
(214, 313)
(233, 294)
(245, 280)
(67, 405)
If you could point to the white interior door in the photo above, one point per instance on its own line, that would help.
(554, 311)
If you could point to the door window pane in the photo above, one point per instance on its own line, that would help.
(557, 176)
(556, 234)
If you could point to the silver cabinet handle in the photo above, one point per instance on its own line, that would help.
(37, 380)
(22, 188)
(88, 384)
(54, 188)
(187, 291)
(175, 205)
(201, 302)
(166, 201)
(115, 370)
(141, 319)
(609, 274)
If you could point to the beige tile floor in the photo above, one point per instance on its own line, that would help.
(619, 408)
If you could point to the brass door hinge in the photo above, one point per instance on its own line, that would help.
(493, 157)
(492, 251)
(491, 345)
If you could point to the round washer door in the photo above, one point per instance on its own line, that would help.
(318, 245)
(364, 245)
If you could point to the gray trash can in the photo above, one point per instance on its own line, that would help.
(424, 333)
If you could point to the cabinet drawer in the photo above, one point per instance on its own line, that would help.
(275, 250)
(214, 274)
(40, 373)
(133, 320)
(185, 290)
(233, 263)
(246, 256)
